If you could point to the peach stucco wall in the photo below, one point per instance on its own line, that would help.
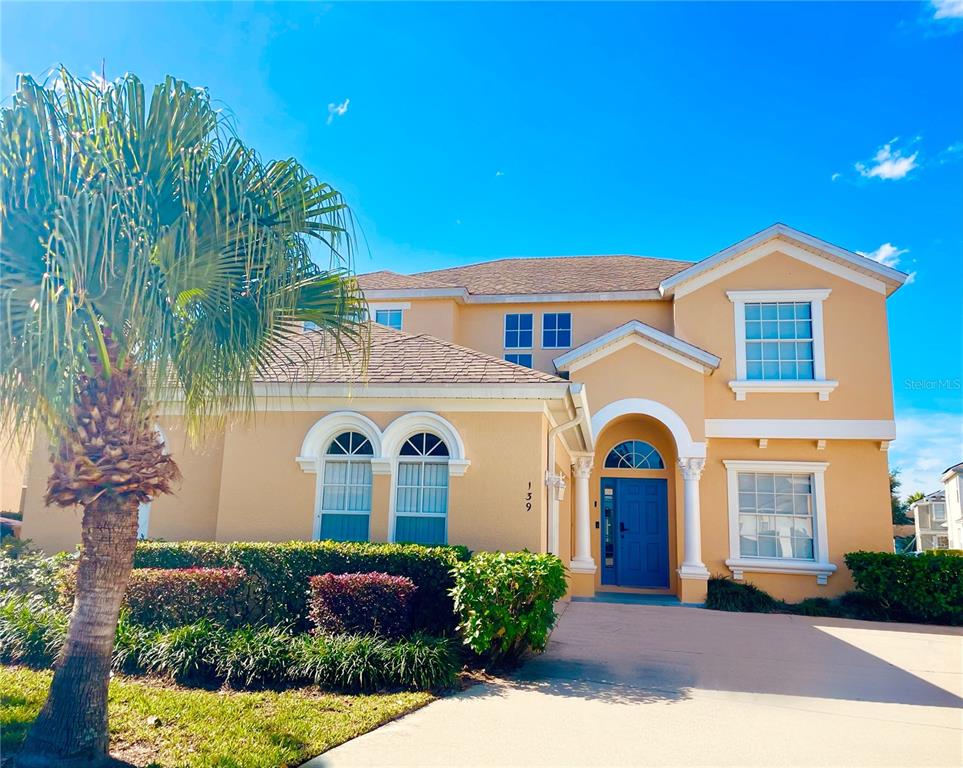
(857, 507)
(856, 339)
(246, 485)
(481, 326)
(14, 457)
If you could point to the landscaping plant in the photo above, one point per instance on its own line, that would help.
(147, 255)
(506, 602)
(927, 588)
(282, 570)
(171, 597)
(360, 603)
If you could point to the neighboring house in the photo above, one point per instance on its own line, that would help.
(952, 482)
(929, 521)
(650, 421)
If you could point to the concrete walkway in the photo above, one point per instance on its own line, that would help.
(626, 685)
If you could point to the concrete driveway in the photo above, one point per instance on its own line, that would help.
(652, 685)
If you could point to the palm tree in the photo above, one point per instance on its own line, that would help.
(146, 255)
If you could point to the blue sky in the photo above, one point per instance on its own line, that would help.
(462, 132)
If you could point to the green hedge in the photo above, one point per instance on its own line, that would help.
(506, 602)
(926, 588)
(282, 570)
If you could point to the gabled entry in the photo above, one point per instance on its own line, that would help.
(634, 532)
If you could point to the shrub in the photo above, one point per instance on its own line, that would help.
(506, 602)
(169, 597)
(131, 645)
(189, 653)
(724, 594)
(32, 631)
(255, 656)
(926, 588)
(817, 606)
(360, 603)
(282, 572)
(26, 571)
(369, 662)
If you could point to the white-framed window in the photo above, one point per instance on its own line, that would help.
(556, 330)
(143, 519)
(779, 342)
(519, 331)
(389, 317)
(777, 518)
(939, 511)
(421, 490)
(520, 358)
(345, 506)
(634, 454)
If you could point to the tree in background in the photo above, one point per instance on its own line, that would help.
(146, 254)
(898, 506)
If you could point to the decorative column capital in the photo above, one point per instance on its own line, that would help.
(691, 467)
(582, 467)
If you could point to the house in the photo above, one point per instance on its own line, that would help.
(929, 522)
(952, 480)
(650, 421)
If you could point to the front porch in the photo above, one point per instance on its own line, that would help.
(635, 523)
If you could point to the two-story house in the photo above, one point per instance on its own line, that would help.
(929, 520)
(650, 421)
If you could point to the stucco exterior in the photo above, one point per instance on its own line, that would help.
(526, 467)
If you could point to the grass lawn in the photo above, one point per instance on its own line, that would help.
(201, 728)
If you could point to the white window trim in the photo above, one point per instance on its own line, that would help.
(542, 331)
(820, 566)
(505, 332)
(319, 511)
(373, 313)
(742, 385)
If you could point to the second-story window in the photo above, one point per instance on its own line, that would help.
(523, 358)
(389, 317)
(557, 330)
(779, 340)
(518, 331)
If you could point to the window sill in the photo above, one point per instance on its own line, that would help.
(742, 387)
(822, 571)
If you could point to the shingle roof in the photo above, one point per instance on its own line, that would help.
(552, 274)
(394, 358)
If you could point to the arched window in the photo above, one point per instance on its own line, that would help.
(421, 493)
(346, 488)
(634, 454)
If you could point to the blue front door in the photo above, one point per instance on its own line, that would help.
(636, 541)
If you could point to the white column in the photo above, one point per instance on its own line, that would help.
(692, 566)
(583, 562)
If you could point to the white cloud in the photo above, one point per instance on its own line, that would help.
(337, 110)
(499, 173)
(888, 163)
(926, 444)
(889, 256)
(836, 177)
(952, 153)
(947, 9)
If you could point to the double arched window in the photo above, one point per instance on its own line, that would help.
(346, 488)
(421, 493)
(634, 454)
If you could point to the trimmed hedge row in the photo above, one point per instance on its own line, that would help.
(171, 597)
(281, 572)
(927, 587)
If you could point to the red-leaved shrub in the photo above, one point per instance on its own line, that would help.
(172, 597)
(361, 602)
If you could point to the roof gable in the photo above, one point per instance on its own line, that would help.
(637, 332)
(796, 244)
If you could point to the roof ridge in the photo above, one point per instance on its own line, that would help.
(547, 258)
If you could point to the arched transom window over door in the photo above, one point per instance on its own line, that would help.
(421, 495)
(634, 454)
(346, 488)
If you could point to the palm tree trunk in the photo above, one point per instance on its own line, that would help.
(72, 727)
